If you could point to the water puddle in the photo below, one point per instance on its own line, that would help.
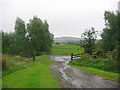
(70, 77)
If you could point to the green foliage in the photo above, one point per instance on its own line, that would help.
(20, 28)
(109, 35)
(99, 63)
(88, 43)
(58, 49)
(15, 43)
(86, 55)
(98, 45)
(39, 35)
(25, 41)
(8, 43)
(5, 42)
(24, 46)
(118, 39)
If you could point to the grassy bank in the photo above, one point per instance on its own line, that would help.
(105, 74)
(37, 76)
(99, 66)
(98, 63)
(62, 50)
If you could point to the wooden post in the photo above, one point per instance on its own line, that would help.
(34, 56)
(71, 56)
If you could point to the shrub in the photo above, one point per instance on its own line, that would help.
(86, 55)
(99, 63)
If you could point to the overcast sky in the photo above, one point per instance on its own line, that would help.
(65, 17)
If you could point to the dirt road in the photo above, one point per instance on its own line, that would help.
(70, 77)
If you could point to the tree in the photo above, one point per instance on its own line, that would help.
(39, 34)
(20, 36)
(110, 33)
(20, 28)
(88, 43)
(8, 44)
(118, 39)
(5, 42)
(25, 41)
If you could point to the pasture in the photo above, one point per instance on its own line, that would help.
(66, 50)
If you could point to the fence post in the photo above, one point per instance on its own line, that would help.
(71, 56)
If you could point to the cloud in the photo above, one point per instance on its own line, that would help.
(65, 17)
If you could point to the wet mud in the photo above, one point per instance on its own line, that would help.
(70, 77)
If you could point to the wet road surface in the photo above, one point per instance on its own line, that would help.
(70, 77)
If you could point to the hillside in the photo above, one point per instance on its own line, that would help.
(67, 39)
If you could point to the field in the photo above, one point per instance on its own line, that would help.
(36, 76)
(66, 50)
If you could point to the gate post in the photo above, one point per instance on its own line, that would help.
(71, 56)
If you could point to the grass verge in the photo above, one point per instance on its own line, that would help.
(105, 74)
(37, 76)
(14, 63)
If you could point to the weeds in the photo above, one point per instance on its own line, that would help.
(105, 64)
(14, 63)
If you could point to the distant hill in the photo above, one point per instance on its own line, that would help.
(67, 39)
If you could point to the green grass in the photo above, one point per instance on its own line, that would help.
(37, 76)
(105, 74)
(59, 50)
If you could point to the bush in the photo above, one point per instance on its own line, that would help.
(99, 63)
(13, 63)
(86, 55)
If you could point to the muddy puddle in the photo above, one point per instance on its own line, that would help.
(70, 77)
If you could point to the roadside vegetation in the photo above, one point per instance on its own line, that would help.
(99, 63)
(14, 63)
(98, 66)
(103, 54)
(35, 75)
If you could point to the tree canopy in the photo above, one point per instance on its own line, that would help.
(39, 35)
(89, 37)
(110, 35)
(110, 32)
(27, 39)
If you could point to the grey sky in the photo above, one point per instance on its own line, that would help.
(65, 17)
